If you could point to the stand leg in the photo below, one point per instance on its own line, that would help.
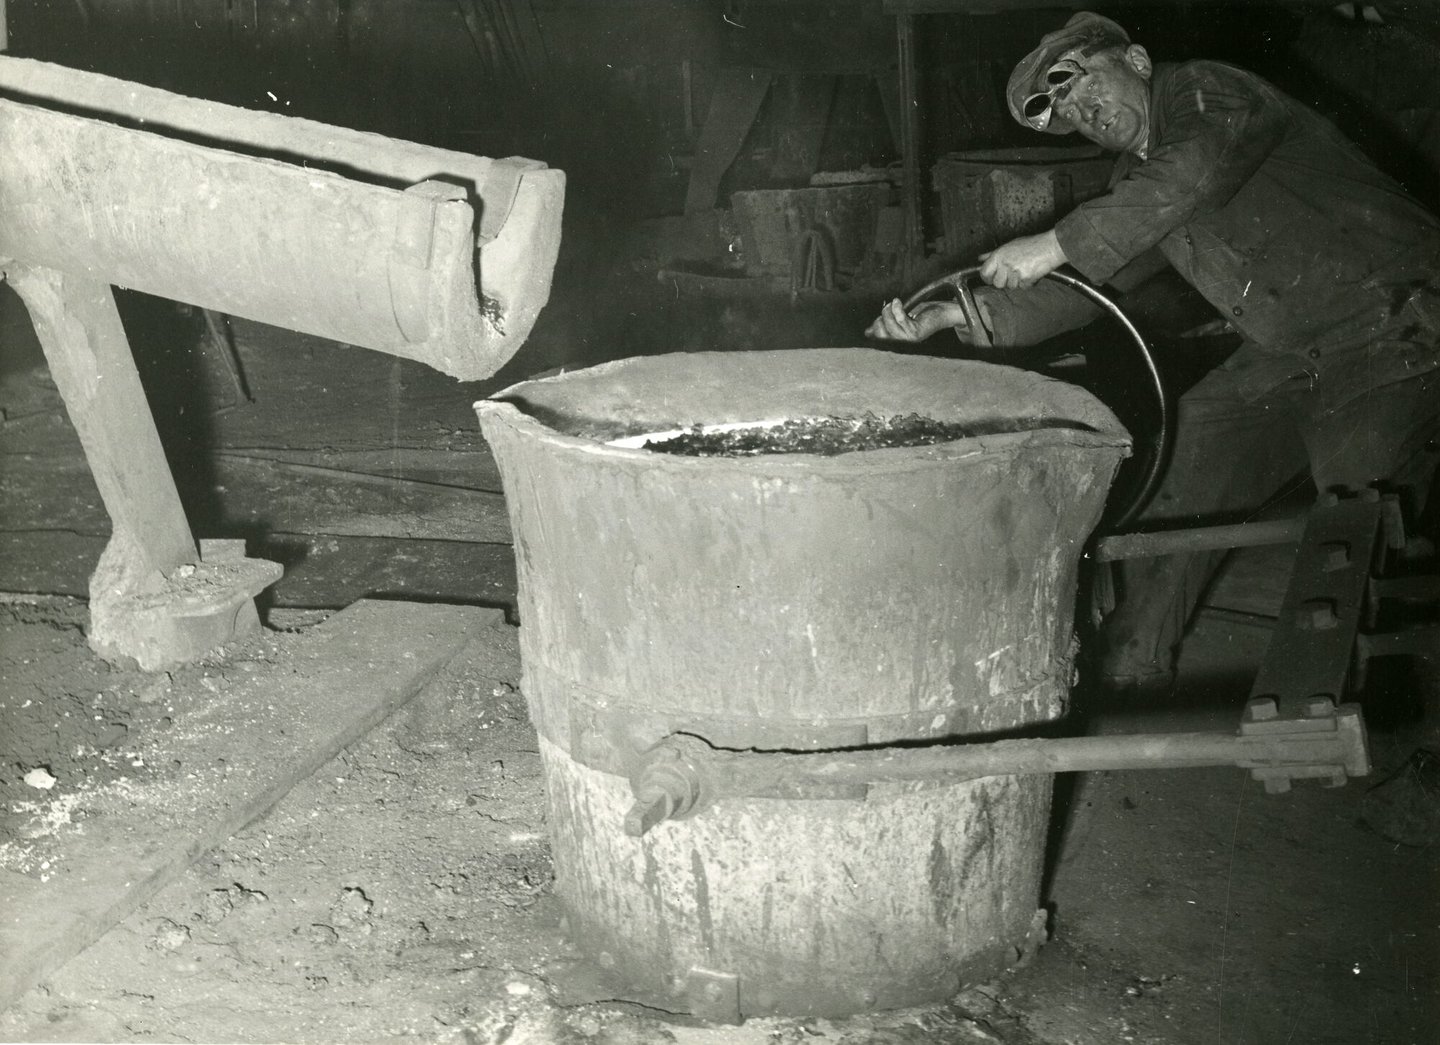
(143, 601)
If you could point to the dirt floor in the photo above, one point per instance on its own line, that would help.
(404, 891)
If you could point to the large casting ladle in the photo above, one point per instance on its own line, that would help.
(1145, 489)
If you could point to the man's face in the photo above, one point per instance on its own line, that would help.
(1110, 103)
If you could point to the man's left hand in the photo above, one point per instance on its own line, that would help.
(1023, 261)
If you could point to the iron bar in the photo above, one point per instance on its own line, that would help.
(683, 773)
(1198, 539)
(754, 772)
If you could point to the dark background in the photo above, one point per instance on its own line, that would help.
(615, 92)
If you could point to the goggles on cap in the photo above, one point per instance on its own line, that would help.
(1059, 79)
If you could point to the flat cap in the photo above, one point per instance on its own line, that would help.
(1085, 29)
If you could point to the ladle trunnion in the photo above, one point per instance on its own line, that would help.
(797, 602)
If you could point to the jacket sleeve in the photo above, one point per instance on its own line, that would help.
(1021, 318)
(1218, 126)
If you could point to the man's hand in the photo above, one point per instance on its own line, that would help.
(1022, 262)
(895, 324)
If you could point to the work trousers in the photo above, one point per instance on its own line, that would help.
(1231, 458)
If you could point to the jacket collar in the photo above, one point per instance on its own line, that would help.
(1159, 81)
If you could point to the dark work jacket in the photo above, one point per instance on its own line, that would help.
(1324, 263)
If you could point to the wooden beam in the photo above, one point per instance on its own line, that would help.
(239, 752)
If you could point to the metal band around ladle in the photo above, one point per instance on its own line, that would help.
(1163, 437)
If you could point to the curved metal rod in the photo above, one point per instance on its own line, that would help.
(1163, 438)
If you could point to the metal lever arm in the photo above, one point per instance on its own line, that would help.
(683, 774)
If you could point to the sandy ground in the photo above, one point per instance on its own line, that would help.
(405, 891)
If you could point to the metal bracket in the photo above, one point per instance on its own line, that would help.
(1325, 637)
(1316, 726)
(1310, 651)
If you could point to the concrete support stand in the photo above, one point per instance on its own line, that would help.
(153, 597)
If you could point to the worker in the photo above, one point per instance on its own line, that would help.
(1325, 266)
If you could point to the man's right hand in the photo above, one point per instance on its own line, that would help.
(895, 324)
